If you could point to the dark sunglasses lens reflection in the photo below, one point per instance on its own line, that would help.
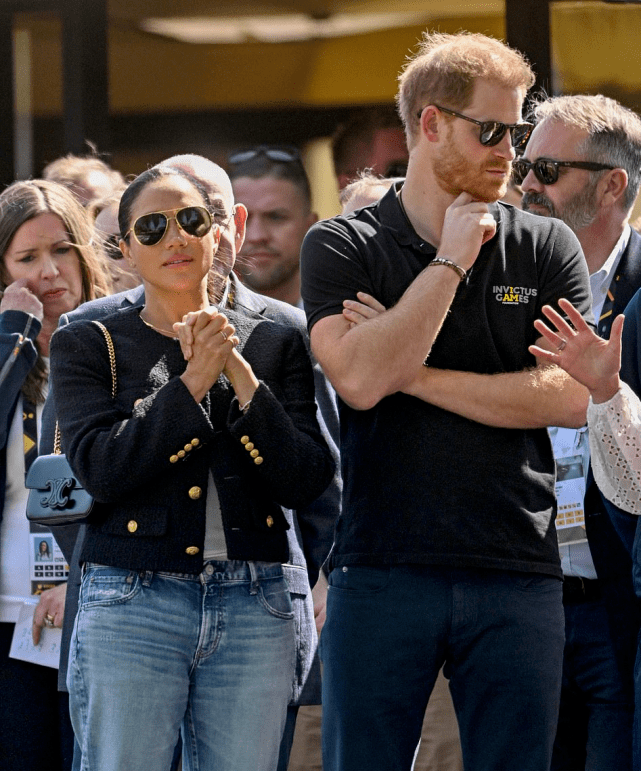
(150, 228)
(194, 221)
(546, 172)
(492, 133)
(520, 134)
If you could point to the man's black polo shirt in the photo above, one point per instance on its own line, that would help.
(423, 485)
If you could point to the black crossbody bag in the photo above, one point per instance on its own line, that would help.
(56, 497)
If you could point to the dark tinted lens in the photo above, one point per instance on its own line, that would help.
(194, 220)
(150, 228)
(546, 172)
(520, 134)
(492, 133)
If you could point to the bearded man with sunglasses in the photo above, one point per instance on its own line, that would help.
(445, 551)
(582, 164)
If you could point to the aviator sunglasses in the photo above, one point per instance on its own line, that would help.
(492, 132)
(149, 229)
(547, 171)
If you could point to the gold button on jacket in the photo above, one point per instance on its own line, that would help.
(195, 493)
(132, 526)
(192, 550)
(270, 521)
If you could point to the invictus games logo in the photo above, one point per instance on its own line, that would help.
(513, 295)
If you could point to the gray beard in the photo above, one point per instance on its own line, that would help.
(577, 213)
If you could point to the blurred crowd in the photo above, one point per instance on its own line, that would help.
(296, 431)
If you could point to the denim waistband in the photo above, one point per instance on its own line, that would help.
(214, 570)
(231, 570)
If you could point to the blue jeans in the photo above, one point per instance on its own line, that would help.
(154, 653)
(597, 706)
(390, 629)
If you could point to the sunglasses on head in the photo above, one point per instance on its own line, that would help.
(278, 154)
(547, 171)
(492, 131)
(149, 229)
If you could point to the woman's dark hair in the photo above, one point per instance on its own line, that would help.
(136, 187)
(23, 201)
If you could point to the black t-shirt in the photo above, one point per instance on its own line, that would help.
(421, 484)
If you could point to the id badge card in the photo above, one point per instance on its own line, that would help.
(47, 564)
(571, 472)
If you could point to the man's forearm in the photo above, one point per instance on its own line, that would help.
(535, 398)
(381, 356)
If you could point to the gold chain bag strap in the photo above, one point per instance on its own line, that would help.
(56, 497)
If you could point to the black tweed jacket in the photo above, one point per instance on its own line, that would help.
(146, 455)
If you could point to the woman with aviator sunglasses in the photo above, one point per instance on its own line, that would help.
(184, 620)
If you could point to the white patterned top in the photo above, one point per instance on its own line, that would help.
(615, 444)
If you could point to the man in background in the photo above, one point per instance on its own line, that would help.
(272, 184)
(87, 176)
(372, 139)
(582, 165)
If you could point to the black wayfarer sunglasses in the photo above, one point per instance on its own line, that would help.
(492, 131)
(278, 154)
(547, 170)
(149, 229)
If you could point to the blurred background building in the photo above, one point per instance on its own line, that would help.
(145, 79)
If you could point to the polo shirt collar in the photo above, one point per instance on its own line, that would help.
(394, 219)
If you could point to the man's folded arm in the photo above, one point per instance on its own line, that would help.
(538, 397)
(366, 362)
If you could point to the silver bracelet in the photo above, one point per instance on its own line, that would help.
(242, 407)
(462, 274)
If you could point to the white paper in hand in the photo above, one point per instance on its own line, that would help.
(47, 652)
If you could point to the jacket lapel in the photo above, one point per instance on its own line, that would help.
(625, 282)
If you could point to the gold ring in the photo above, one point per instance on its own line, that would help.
(48, 620)
(223, 334)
